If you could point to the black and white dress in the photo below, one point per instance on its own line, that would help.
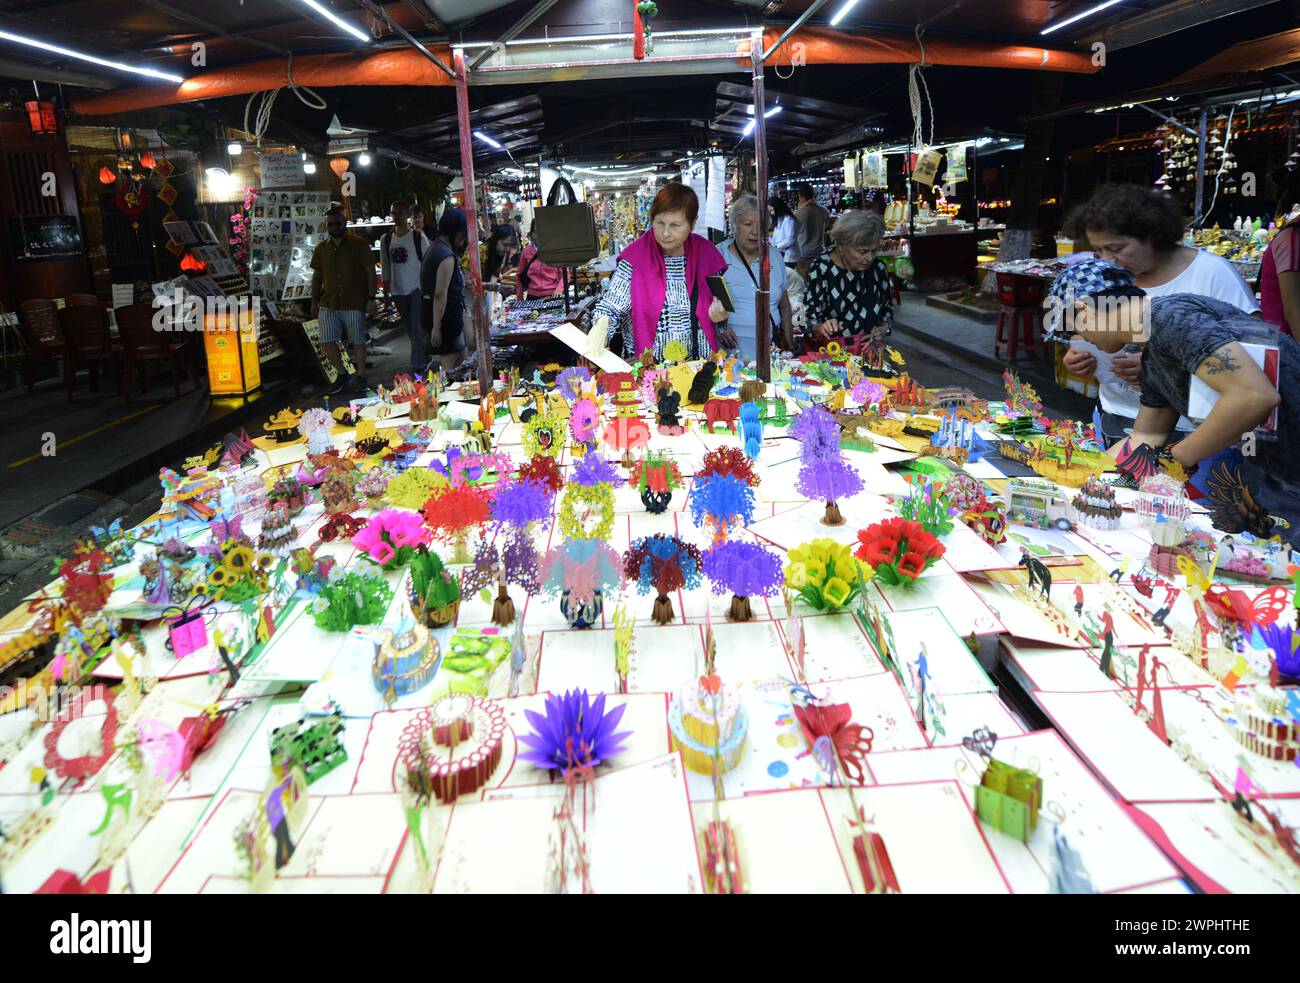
(858, 299)
(676, 320)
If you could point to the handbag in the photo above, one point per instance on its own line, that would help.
(565, 234)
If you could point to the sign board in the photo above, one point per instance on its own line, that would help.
(45, 237)
(282, 171)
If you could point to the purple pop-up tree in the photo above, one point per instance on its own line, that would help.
(746, 570)
(824, 474)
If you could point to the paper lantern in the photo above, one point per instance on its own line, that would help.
(230, 342)
(107, 175)
(192, 262)
(339, 165)
(148, 162)
(41, 117)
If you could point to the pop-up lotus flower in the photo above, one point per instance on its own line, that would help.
(825, 575)
(899, 550)
(391, 537)
(575, 733)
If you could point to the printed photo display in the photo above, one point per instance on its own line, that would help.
(285, 227)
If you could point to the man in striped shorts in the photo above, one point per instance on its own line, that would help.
(342, 292)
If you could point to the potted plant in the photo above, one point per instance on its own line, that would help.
(898, 550)
(581, 572)
(432, 591)
(825, 574)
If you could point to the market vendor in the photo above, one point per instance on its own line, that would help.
(849, 291)
(1182, 336)
(535, 279)
(1141, 230)
(742, 276)
(443, 284)
(658, 292)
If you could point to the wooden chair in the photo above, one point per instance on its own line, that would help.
(142, 344)
(86, 342)
(82, 300)
(38, 320)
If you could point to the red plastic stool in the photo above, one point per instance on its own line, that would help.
(1020, 315)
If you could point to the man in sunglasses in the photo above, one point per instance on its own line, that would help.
(342, 293)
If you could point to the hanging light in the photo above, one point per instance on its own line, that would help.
(107, 175)
(309, 167)
(339, 165)
(148, 161)
(41, 117)
(234, 148)
(364, 160)
(192, 263)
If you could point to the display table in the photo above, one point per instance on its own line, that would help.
(1137, 813)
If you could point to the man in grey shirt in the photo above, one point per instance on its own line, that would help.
(812, 221)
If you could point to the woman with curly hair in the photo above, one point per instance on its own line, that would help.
(1142, 230)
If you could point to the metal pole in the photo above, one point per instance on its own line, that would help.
(471, 222)
(802, 19)
(1200, 167)
(512, 32)
(762, 305)
(410, 39)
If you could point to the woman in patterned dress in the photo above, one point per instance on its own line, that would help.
(658, 292)
(849, 291)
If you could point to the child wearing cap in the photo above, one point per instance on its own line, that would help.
(1182, 336)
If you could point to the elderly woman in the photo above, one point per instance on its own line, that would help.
(743, 271)
(659, 283)
(849, 292)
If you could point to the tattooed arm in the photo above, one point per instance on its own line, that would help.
(1246, 397)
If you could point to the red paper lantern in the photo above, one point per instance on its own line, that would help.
(147, 161)
(107, 175)
(41, 117)
(191, 262)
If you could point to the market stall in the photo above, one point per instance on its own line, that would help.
(814, 624)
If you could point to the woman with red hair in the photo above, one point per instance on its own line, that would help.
(658, 292)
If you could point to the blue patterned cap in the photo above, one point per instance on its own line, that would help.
(1083, 279)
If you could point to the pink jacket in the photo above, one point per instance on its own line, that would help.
(650, 285)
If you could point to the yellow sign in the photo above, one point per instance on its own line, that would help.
(230, 342)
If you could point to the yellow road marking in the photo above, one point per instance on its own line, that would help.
(88, 433)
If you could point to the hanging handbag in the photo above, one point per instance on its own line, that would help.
(565, 234)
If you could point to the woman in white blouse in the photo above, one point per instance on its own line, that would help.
(1142, 230)
(785, 230)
